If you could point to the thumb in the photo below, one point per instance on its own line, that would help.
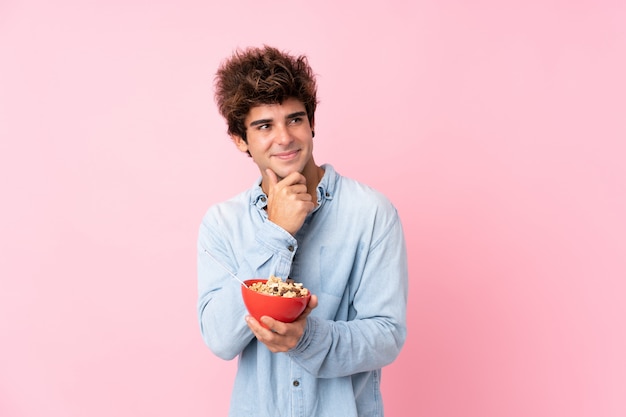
(312, 304)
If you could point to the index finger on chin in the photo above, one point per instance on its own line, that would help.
(294, 178)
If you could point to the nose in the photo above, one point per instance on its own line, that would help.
(283, 137)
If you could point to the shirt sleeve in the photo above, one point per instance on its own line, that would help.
(375, 336)
(255, 253)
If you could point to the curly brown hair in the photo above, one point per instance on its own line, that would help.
(257, 76)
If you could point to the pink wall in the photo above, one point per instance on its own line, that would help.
(498, 129)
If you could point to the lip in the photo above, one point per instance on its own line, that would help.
(287, 155)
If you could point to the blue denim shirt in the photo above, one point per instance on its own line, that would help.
(351, 253)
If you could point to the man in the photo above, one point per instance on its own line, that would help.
(341, 239)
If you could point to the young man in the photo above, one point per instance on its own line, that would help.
(341, 239)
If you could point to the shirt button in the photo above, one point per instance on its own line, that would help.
(327, 195)
(296, 383)
(290, 248)
(263, 199)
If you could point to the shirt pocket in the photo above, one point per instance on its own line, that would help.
(336, 269)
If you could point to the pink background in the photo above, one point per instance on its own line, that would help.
(497, 128)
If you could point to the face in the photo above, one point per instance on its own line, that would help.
(279, 137)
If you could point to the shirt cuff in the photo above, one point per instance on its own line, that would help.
(310, 330)
(278, 243)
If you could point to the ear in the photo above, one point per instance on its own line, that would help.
(240, 143)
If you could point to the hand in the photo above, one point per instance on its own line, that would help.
(288, 201)
(279, 336)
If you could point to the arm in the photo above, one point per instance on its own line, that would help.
(377, 331)
(257, 253)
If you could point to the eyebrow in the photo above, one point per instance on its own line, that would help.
(296, 114)
(289, 116)
(260, 122)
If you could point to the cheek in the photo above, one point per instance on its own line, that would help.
(257, 155)
(255, 150)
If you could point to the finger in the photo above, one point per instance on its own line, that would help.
(270, 323)
(310, 306)
(298, 189)
(294, 178)
(252, 323)
(257, 328)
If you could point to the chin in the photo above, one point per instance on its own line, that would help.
(285, 171)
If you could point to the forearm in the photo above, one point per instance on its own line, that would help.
(222, 321)
(220, 306)
(375, 329)
(330, 349)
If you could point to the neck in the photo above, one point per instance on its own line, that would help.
(313, 175)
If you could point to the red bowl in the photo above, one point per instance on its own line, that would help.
(279, 308)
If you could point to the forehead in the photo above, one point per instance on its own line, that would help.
(275, 110)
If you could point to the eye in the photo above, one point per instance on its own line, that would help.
(295, 120)
(263, 126)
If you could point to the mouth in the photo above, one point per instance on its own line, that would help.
(285, 156)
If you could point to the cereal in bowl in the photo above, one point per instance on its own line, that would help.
(276, 286)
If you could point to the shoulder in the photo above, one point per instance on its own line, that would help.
(365, 212)
(360, 206)
(362, 196)
(229, 210)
